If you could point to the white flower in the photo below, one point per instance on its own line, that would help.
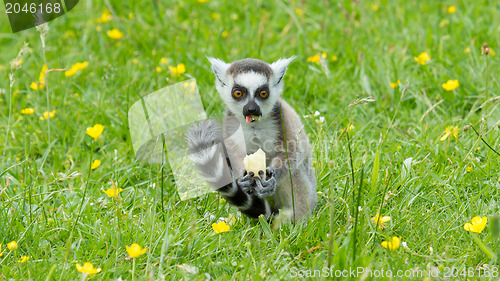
(316, 113)
(321, 119)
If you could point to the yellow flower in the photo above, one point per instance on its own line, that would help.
(37, 86)
(393, 244)
(335, 58)
(135, 251)
(423, 58)
(158, 69)
(314, 58)
(492, 52)
(95, 131)
(478, 224)
(225, 34)
(75, 68)
(215, 16)
(113, 192)
(381, 220)
(28, 111)
(47, 115)
(203, 1)
(450, 131)
(299, 11)
(395, 84)
(163, 60)
(220, 227)
(23, 259)
(234, 16)
(105, 17)
(135, 61)
(444, 23)
(41, 80)
(450, 85)
(348, 128)
(17, 63)
(177, 70)
(375, 7)
(452, 9)
(467, 50)
(468, 169)
(12, 245)
(115, 34)
(95, 164)
(87, 268)
(130, 15)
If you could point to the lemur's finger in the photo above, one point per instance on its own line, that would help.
(246, 179)
(244, 172)
(264, 190)
(269, 172)
(259, 189)
(246, 182)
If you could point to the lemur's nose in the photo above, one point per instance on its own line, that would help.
(251, 108)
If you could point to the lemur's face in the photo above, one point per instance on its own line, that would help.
(249, 87)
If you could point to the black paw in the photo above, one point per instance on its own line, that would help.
(247, 182)
(266, 184)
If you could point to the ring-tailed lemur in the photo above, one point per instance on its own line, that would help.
(251, 90)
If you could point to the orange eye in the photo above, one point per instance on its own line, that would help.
(263, 94)
(237, 94)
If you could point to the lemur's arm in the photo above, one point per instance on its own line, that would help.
(248, 203)
(209, 153)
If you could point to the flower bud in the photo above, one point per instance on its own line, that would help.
(485, 50)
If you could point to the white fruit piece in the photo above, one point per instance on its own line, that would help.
(255, 162)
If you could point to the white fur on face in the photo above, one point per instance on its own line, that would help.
(251, 81)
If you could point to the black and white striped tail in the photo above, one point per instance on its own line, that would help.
(208, 152)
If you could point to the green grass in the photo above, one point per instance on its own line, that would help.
(45, 177)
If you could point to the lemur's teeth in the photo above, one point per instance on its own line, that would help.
(251, 118)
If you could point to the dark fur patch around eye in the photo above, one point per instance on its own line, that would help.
(240, 88)
(249, 65)
(260, 89)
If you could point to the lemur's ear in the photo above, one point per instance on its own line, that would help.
(279, 68)
(219, 67)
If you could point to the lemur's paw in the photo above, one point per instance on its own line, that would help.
(247, 182)
(266, 185)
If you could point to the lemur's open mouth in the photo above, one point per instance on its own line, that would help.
(251, 118)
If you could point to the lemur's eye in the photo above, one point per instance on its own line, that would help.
(263, 94)
(237, 94)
